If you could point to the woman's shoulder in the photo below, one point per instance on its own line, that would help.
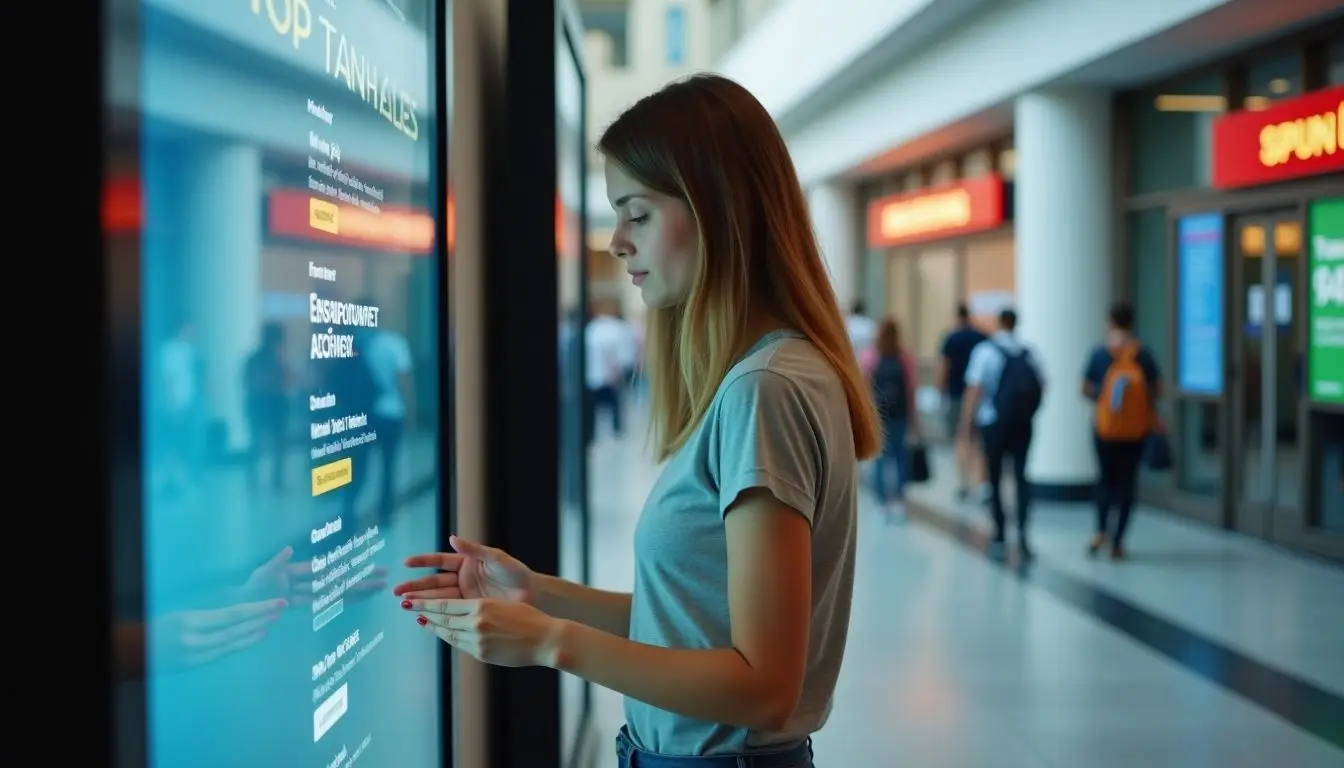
(790, 367)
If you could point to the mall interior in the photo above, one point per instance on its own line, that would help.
(387, 220)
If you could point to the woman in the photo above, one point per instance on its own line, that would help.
(894, 382)
(728, 650)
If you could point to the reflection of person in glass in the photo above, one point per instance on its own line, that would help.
(730, 646)
(266, 384)
(388, 356)
(181, 382)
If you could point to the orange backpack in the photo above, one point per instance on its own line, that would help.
(1124, 404)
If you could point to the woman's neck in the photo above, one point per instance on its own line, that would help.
(760, 323)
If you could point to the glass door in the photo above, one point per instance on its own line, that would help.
(1266, 269)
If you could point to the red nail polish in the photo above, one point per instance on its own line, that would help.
(421, 620)
(406, 604)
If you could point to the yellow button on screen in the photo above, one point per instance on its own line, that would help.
(329, 477)
(324, 216)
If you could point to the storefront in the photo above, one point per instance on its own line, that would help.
(1235, 240)
(940, 247)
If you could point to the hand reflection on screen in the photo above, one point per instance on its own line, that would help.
(189, 639)
(183, 640)
(280, 577)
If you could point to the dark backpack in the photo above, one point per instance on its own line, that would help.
(891, 388)
(1018, 394)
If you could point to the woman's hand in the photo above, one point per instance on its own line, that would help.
(507, 634)
(473, 571)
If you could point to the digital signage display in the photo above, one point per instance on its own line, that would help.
(273, 208)
(1200, 304)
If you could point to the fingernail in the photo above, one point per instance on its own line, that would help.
(281, 604)
(421, 620)
(406, 604)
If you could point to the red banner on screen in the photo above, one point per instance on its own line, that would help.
(301, 214)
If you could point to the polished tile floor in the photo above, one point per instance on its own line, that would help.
(1206, 649)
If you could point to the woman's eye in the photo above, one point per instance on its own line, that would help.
(639, 219)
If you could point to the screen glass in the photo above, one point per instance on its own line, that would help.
(570, 251)
(272, 213)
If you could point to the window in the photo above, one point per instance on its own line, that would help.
(1273, 78)
(676, 35)
(1172, 134)
(1334, 62)
(613, 20)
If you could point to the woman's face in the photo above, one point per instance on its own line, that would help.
(655, 236)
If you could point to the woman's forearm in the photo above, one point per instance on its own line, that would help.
(597, 608)
(716, 685)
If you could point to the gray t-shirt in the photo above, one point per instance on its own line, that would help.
(780, 421)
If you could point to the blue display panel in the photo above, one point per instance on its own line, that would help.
(1200, 304)
(277, 177)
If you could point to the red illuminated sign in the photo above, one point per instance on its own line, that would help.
(973, 205)
(1290, 140)
(121, 205)
(301, 214)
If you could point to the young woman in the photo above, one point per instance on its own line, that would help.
(728, 649)
(894, 380)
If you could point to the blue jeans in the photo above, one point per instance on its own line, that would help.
(895, 455)
(630, 756)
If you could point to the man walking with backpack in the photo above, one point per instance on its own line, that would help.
(1123, 379)
(1005, 384)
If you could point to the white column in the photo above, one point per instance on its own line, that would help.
(1064, 246)
(835, 220)
(222, 240)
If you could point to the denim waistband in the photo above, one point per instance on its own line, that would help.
(796, 756)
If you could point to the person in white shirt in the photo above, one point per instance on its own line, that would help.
(1005, 383)
(862, 330)
(610, 351)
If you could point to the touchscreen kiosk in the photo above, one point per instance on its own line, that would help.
(274, 177)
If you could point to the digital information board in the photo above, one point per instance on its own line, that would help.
(278, 181)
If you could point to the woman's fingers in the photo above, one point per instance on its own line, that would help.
(444, 561)
(443, 593)
(435, 581)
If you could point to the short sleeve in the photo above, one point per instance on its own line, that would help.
(766, 438)
(975, 367)
(1097, 363)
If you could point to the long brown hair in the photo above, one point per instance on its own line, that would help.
(889, 338)
(707, 141)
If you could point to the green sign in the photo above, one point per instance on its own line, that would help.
(1325, 306)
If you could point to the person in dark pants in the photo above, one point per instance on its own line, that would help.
(1123, 379)
(1005, 383)
(894, 381)
(954, 359)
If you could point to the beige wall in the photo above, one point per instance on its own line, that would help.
(731, 19)
(612, 89)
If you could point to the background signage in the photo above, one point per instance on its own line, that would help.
(1200, 304)
(973, 205)
(1292, 139)
(394, 228)
(1325, 301)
